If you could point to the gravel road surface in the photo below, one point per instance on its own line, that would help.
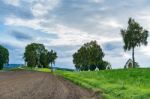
(38, 85)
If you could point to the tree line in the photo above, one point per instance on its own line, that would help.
(88, 57)
(36, 55)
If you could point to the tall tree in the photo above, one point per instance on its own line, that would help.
(44, 59)
(32, 54)
(52, 55)
(4, 56)
(37, 56)
(134, 36)
(88, 57)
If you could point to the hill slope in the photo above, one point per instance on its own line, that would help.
(114, 84)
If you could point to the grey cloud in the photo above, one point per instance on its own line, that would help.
(64, 51)
(15, 53)
(8, 46)
(21, 36)
(21, 11)
(112, 46)
(64, 47)
(78, 14)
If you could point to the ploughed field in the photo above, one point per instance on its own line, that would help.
(38, 85)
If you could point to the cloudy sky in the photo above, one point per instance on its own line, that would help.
(64, 25)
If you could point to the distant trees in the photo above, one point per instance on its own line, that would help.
(134, 36)
(89, 57)
(4, 56)
(37, 56)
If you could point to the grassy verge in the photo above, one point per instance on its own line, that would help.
(31, 69)
(115, 84)
(1, 70)
(43, 69)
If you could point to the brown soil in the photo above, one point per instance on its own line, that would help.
(38, 85)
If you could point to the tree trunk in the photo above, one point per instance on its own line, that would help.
(133, 59)
(51, 68)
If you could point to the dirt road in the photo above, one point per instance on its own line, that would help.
(38, 85)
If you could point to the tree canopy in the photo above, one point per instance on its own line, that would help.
(52, 55)
(36, 55)
(89, 56)
(134, 36)
(4, 56)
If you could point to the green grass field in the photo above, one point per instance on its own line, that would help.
(114, 84)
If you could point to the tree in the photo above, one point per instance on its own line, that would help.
(37, 56)
(102, 65)
(32, 54)
(88, 57)
(44, 59)
(134, 36)
(4, 56)
(107, 65)
(80, 59)
(52, 55)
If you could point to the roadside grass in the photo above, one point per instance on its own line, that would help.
(31, 69)
(1, 70)
(42, 69)
(114, 84)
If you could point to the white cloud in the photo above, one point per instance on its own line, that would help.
(35, 23)
(43, 7)
(67, 35)
(144, 18)
(145, 50)
(12, 2)
(39, 10)
(97, 1)
(111, 23)
(13, 42)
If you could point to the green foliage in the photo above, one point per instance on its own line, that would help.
(52, 55)
(32, 54)
(4, 56)
(88, 57)
(114, 84)
(30, 69)
(44, 59)
(37, 56)
(134, 36)
(103, 65)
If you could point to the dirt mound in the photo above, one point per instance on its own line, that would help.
(37, 85)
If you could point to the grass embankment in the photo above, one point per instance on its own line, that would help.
(31, 69)
(114, 84)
